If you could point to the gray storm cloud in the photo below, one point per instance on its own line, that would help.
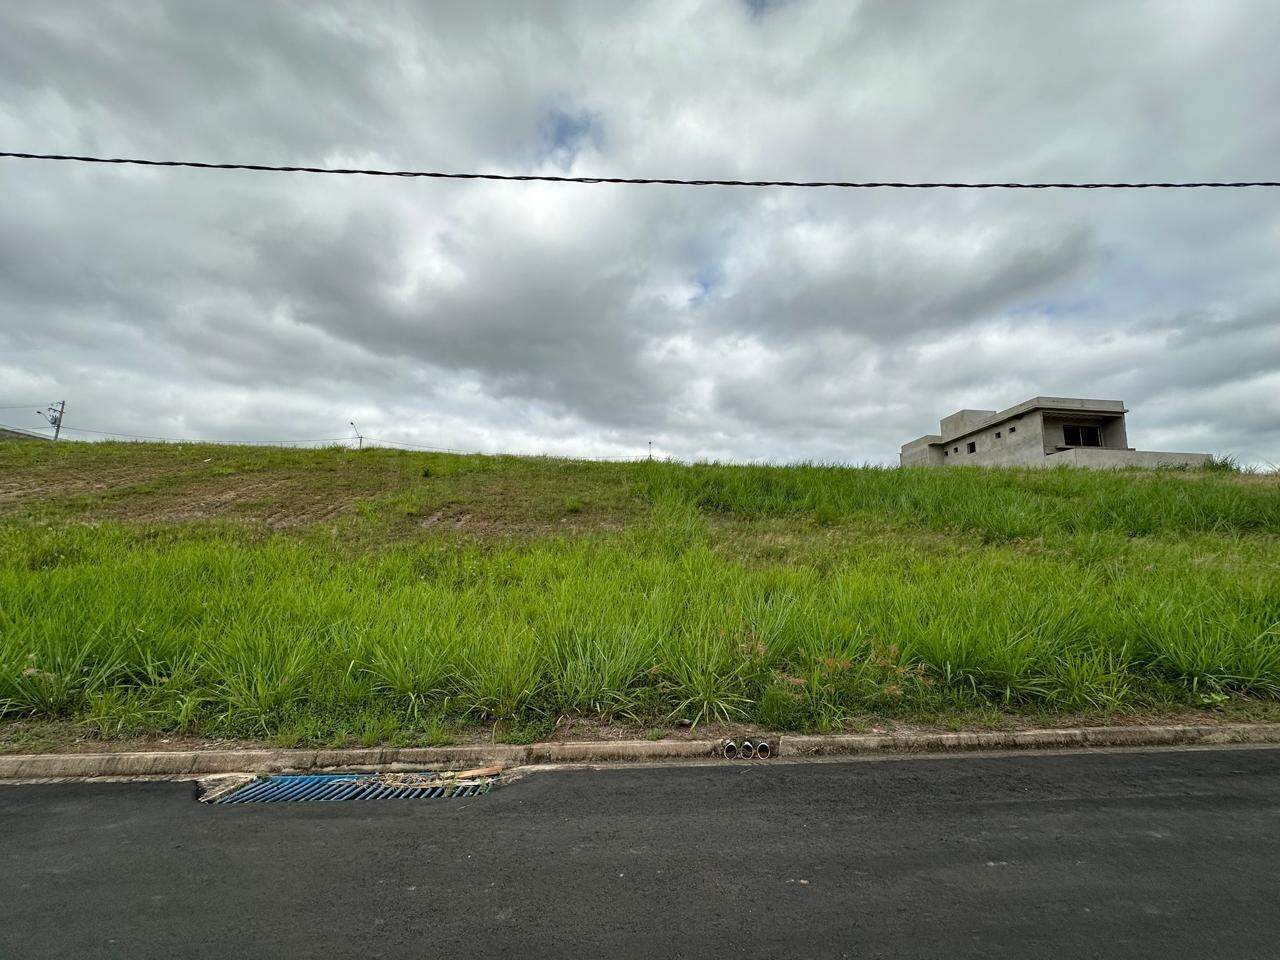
(716, 322)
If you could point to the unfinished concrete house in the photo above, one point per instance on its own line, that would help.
(1040, 432)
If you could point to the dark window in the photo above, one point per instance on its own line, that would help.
(1074, 435)
(955, 449)
(1013, 429)
(997, 434)
(972, 447)
(945, 453)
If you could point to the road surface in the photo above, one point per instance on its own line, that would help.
(1156, 854)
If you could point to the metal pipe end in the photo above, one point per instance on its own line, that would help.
(748, 751)
(763, 751)
(730, 750)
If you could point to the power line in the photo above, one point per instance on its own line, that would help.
(416, 446)
(480, 453)
(673, 181)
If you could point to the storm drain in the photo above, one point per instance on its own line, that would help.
(332, 787)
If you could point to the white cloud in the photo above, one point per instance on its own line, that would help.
(716, 322)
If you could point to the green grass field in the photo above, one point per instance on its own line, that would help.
(333, 596)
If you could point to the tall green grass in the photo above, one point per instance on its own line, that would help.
(201, 630)
(999, 504)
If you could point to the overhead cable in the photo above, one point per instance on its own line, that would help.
(671, 181)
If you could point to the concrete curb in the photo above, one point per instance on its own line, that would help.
(1073, 737)
(197, 763)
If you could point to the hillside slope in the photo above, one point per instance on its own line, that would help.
(334, 596)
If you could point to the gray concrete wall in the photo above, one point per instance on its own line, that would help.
(1102, 459)
(919, 453)
(1052, 436)
(963, 420)
(1114, 435)
(1020, 443)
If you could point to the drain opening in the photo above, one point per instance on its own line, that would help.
(332, 787)
(751, 749)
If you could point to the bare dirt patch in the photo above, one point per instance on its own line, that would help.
(19, 487)
(278, 501)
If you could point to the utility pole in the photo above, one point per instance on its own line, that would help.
(359, 437)
(650, 449)
(54, 416)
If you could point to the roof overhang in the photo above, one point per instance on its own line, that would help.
(1056, 405)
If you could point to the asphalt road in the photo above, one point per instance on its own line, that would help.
(1160, 854)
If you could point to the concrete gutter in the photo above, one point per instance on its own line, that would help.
(191, 764)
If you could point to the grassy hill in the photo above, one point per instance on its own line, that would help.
(334, 596)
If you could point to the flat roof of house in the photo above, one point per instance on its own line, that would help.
(1050, 404)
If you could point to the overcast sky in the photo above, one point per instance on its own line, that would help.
(717, 322)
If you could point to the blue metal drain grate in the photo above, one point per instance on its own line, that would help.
(328, 787)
